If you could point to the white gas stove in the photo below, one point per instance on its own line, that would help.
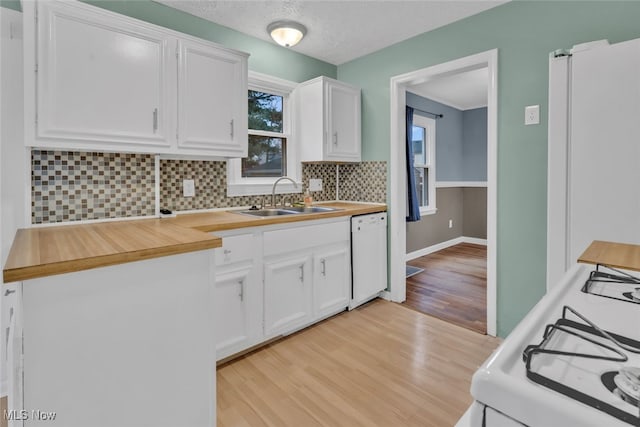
(573, 361)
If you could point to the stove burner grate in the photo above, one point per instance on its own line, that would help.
(616, 284)
(594, 335)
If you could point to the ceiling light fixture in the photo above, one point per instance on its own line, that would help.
(286, 33)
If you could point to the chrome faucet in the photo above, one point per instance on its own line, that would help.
(273, 190)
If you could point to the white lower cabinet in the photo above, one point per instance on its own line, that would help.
(287, 292)
(238, 288)
(232, 314)
(331, 279)
(274, 280)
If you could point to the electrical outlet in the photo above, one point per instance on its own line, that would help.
(188, 188)
(532, 115)
(450, 223)
(315, 184)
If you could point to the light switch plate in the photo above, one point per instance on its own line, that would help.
(188, 188)
(315, 184)
(532, 115)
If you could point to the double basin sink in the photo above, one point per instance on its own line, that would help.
(292, 210)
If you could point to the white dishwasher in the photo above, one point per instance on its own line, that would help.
(368, 257)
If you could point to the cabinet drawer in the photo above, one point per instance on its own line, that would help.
(235, 249)
(297, 238)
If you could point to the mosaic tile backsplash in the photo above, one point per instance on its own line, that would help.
(363, 182)
(73, 186)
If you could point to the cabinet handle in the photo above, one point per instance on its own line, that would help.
(335, 138)
(227, 251)
(231, 126)
(241, 294)
(301, 273)
(155, 120)
(9, 292)
(324, 267)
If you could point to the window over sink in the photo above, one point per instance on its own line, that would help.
(267, 138)
(271, 149)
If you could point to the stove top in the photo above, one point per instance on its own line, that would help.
(568, 362)
(612, 283)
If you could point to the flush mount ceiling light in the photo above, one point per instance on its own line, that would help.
(286, 33)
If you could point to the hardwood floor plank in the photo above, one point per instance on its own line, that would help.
(379, 365)
(453, 286)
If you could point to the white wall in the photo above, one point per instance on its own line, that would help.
(12, 152)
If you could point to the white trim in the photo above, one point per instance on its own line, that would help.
(397, 224)
(455, 184)
(557, 168)
(238, 186)
(262, 188)
(428, 211)
(444, 245)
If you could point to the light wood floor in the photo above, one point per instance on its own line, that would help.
(453, 286)
(379, 365)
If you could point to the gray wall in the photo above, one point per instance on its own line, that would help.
(466, 206)
(474, 216)
(461, 140)
(434, 229)
(448, 136)
(474, 144)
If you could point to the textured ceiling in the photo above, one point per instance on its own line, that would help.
(337, 31)
(463, 91)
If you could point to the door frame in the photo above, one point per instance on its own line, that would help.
(397, 168)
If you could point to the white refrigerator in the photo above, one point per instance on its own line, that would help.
(594, 150)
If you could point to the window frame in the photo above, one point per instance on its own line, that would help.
(254, 186)
(429, 124)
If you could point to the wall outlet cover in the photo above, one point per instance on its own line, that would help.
(188, 188)
(532, 115)
(315, 184)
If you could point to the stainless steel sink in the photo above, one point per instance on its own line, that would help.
(291, 210)
(266, 212)
(310, 209)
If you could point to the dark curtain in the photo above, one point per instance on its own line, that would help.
(413, 204)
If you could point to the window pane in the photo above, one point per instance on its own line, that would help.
(266, 157)
(419, 149)
(265, 111)
(422, 185)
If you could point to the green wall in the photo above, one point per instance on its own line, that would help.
(524, 33)
(266, 57)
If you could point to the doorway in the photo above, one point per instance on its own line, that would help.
(400, 85)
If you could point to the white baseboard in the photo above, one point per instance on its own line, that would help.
(444, 245)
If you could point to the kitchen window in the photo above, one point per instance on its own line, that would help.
(424, 149)
(271, 151)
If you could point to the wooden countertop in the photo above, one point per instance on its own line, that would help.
(45, 251)
(619, 255)
(228, 220)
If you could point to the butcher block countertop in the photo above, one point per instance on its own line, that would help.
(619, 255)
(229, 220)
(45, 251)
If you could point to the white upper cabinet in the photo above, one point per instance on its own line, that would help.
(212, 99)
(329, 115)
(97, 80)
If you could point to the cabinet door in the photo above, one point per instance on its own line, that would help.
(231, 311)
(287, 293)
(343, 125)
(332, 279)
(212, 100)
(101, 79)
